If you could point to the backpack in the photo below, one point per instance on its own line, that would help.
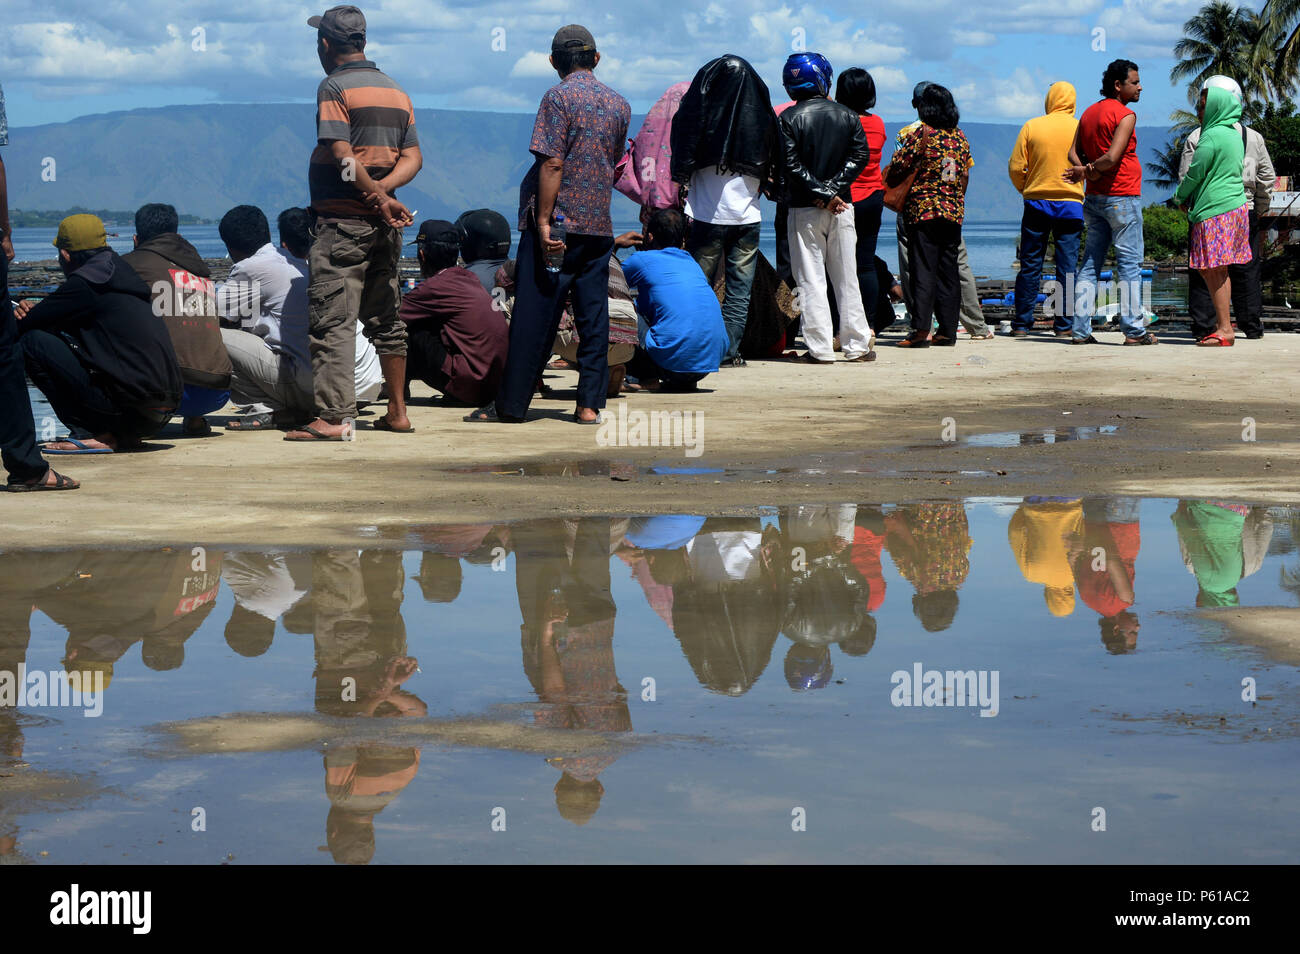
(644, 173)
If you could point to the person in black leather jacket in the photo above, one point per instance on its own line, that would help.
(823, 150)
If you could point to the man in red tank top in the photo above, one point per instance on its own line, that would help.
(1104, 155)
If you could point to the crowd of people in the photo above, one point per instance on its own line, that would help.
(306, 331)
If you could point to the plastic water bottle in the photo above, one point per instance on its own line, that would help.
(559, 231)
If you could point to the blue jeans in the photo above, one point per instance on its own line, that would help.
(707, 244)
(197, 401)
(1112, 220)
(1036, 227)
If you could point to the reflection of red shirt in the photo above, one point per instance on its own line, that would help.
(1095, 587)
(865, 557)
(869, 181)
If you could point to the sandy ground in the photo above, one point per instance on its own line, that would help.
(786, 433)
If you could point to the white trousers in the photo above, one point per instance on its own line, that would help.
(824, 246)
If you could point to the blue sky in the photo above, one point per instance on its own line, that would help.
(64, 58)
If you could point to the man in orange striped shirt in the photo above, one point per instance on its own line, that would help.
(366, 149)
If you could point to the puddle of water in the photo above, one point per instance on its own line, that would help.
(1049, 435)
(672, 687)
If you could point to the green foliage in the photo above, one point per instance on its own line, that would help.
(1224, 39)
(27, 219)
(1280, 127)
(1164, 233)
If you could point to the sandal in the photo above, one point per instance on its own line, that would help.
(488, 415)
(250, 422)
(313, 435)
(598, 419)
(79, 447)
(60, 483)
(1215, 340)
(1091, 339)
(383, 424)
(1146, 339)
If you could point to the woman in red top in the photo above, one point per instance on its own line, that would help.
(857, 90)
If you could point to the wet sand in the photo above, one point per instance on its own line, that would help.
(876, 430)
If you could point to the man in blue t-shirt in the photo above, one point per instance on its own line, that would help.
(682, 335)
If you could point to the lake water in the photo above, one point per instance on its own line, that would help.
(671, 689)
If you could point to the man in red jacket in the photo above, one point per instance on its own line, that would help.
(456, 339)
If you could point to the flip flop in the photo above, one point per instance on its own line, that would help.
(81, 448)
(315, 435)
(60, 483)
(1215, 340)
(383, 425)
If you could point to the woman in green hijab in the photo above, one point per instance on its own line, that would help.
(1219, 213)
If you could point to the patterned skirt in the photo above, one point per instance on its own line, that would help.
(1221, 240)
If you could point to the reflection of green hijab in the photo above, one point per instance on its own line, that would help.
(1212, 536)
(1213, 183)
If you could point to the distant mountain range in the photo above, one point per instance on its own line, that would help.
(207, 159)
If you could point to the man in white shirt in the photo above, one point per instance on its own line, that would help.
(723, 144)
(263, 309)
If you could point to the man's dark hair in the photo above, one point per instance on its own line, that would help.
(155, 219)
(937, 108)
(294, 226)
(439, 255)
(247, 633)
(667, 228)
(936, 610)
(856, 90)
(1116, 72)
(244, 229)
(566, 61)
(340, 47)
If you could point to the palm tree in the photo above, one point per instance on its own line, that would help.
(1277, 49)
(1225, 39)
(1164, 169)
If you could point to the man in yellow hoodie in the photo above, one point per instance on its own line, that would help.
(1053, 208)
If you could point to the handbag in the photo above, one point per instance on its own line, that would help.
(896, 192)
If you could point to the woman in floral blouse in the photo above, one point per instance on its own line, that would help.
(933, 214)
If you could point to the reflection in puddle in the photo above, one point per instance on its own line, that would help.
(376, 702)
(1049, 435)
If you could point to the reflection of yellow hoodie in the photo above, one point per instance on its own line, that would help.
(1037, 533)
(1042, 150)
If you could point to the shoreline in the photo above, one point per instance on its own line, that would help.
(788, 433)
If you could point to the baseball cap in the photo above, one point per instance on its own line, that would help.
(437, 232)
(80, 232)
(344, 23)
(573, 39)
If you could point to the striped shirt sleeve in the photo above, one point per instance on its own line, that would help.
(332, 120)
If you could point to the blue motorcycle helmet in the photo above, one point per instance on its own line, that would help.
(807, 73)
